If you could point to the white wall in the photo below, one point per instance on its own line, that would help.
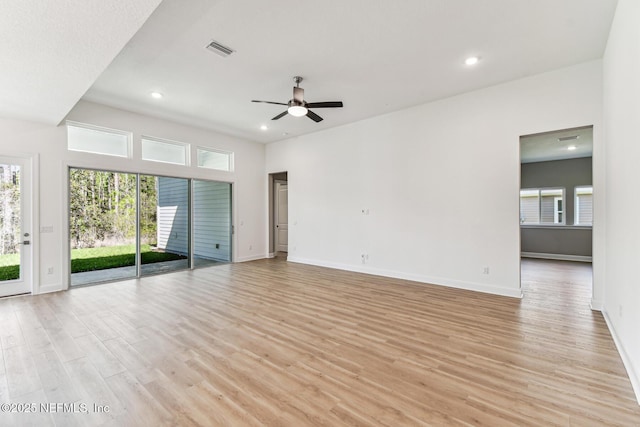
(48, 144)
(440, 182)
(621, 120)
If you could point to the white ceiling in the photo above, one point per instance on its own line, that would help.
(51, 52)
(376, 56)
(547, 146)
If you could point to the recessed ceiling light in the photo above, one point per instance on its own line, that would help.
(264, 127)
(156, 95)
(472, 60)
(571, 147)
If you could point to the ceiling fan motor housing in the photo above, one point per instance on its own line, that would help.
(296, 103)
(298, 94)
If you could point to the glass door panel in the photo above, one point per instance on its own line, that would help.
(211, 223)
(15, 237)
(164, 224)
(102, 225)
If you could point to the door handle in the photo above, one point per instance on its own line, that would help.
(24, 242)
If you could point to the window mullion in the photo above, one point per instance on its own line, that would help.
(138, 237)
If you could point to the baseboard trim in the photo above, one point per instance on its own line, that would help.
(557, 257)
(596, 305)
(47, 289)
(439, 281)
(626, 360)
(250, 258)
(271, 255)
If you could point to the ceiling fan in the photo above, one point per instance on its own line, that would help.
(298, 107)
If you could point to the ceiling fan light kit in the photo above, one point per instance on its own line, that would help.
(298, 107)
(297, 110)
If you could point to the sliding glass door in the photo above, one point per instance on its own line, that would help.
(164, 224)
(102, 225)
(129, 225)
(211, 222)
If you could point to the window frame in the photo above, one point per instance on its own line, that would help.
(185, 145)
(127, 134)
(576, 209)
(556, 212)
(230, 154)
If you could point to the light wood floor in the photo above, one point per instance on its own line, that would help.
(277, 343)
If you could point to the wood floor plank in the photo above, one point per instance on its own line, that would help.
(34, 416)
(56, 382)
(139, 406)
(94, 391)
(10, 333)
(4, 388)
(278, 344)
(102, 359)
(65, 345)
(21, 373)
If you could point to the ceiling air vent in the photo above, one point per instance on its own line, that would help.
(568, 138)
(219, 49)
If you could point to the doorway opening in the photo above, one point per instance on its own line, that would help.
(556, 206)
(278, 214)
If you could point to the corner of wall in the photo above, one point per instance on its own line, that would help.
(596, 305)
(250, 258)
(47, 289)
(626, 360)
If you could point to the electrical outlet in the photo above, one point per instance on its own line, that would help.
(364, 257)
(50, 270)
(250, 247)
(485, 270)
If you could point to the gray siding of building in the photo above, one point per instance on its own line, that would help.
(211, 212)
(212, 220)
(173, 215)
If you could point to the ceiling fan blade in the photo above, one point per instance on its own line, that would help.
(330, 104)
(313, 116)
(298, 94)
(279, 116)
(269, 102)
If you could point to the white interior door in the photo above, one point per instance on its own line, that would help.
(15, 226)
(282, 217)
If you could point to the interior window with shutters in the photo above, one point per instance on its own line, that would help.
(542, 206)
(584, 205)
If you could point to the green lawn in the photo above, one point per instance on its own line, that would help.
(91, 259)
(9, 268)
